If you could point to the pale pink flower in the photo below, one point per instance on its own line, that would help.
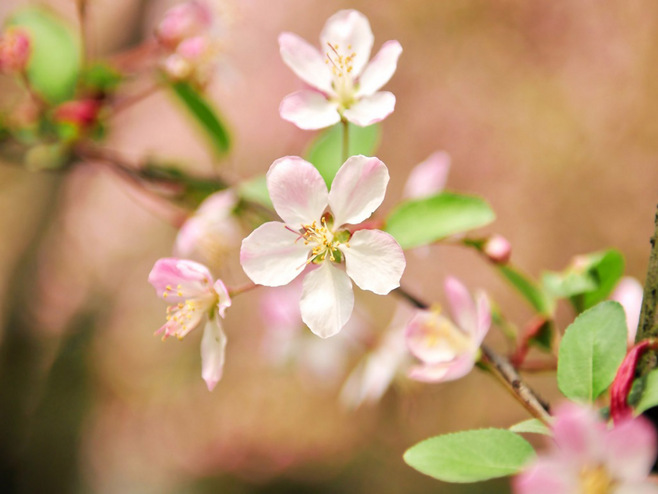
(212, 231)
(629, 293)
(588, 457)
(429, 177)
(14, 50)
(448, 351)
(194, 299)
(194, 59)
(183, 21)
(314, 231)
(345, 85)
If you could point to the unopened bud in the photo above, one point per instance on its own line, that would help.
(498, 249)
(82, 113)
(14, 50)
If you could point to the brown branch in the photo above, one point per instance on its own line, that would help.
(648, 323)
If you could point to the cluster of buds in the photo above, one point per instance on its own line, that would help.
(14, 50)
(186, 34)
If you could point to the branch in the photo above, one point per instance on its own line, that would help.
(648, 323)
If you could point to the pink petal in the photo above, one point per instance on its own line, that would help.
(462, 305)
(298, 191)
(483, 310)
(429, 177)
(630, 448)
(547, 476)
(358, 189)
(374, 260)
(370, 109)
(177, 280)
(327, 300)
(272, 255)
(380, 69)
(433, 339)
(224, 297)
(305, 61)
(443, 372)
(213, 346)
(350, 30)
(309, 110)
(629, 293)
(579, 434)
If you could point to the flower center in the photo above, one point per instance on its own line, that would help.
(439, 331)
(322, 240)
(341, 68)
(595, 481)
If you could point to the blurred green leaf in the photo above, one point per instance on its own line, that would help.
(470, 456)
(326, 150)
(531, 426)
(100, 78)
(205, 115)
(189, 190)
(255, 190)
(531, 291)
(54, 63)
(423, 221)
(591, 350)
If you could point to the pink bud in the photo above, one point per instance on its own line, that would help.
(620, 410)
(498, 249)
(183, 21)
(14, 50)
(82, 113)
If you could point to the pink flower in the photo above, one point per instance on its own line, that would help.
(590, 458)
(194, 299)
(14, 50)
(344, 85)
(183, 21)
(213, 230)
(429, 177)
(194, 59)
(314, 231)
(629, 293)
(448, 351)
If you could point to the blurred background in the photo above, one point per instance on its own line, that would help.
(547, 109)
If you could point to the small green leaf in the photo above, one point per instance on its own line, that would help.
(423, 221)
(470, 456)
(54, 62)
(591, 350)
(607, 268)
(534, 295)
(255, 190)
(649, 397)
(326, 150)
(205, 115)
(531, 426)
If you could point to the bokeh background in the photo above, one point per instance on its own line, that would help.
(547, 110)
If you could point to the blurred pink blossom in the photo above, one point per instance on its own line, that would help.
(276, 253)
(629, 293)
(194, 298)
(14, 50)
(590, 457)
(429, 177)
(183, 21)
(344, 85)
(448, 351)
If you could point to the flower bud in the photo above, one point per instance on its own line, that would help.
(183, 21)
(14, 50)
(498, 249)
(82, 113)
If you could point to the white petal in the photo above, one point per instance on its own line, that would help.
(327, 300)
(374, 260)
(305, 61)
(273, 255)
(213, 345)
(483, 309)
(446, 371)
(429, 177)
(350, 30)
(298, 191)
(358, 189)
(380, 69)
(309, 110)
(371, 109)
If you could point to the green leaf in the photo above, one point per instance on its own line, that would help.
(649, 397)
(205, 115)
(531, 426)
(607, 268)
(470, 456)
(591, 350)
(423, 221)
(326, 150)
(255, 190)
(534, 295)
(100, 78)
(54, 62)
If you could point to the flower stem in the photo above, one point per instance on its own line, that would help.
(346, 139)
(502, 369)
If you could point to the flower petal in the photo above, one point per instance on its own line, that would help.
(429, 177)
(272, 255)
(380, 69)
(547, 476)
(374, 260)
(630, 448)
(629, 294)
(305, 61)
(224, 297)
(213, 346)
(327, 300)
(370, 109)
(309, 110)
(350, 30)
(483, 310)
(177, 280)
(358, 189)
(434, 339)
(298, 191)
(579, 434)
(447, 371)
(461, 305)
